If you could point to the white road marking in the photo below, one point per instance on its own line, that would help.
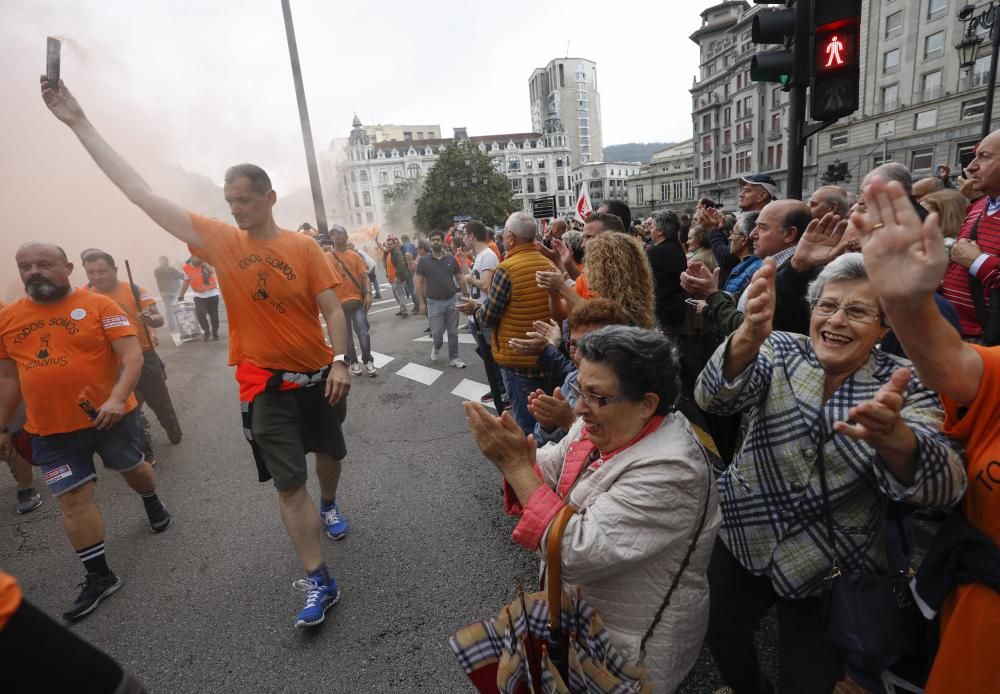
(381, 359)
(420, 374)
(384, 301)
(383, 310)
(463, 339)
(472, 390)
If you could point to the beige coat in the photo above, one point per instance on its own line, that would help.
(637, 515)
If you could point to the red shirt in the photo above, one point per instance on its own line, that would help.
(955, 285)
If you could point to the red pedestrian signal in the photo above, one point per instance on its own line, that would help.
(836, 67)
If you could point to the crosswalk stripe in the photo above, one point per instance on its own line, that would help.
(472, 390)
(420, 374)
(381, 359)
(463, 338)
(383, 310)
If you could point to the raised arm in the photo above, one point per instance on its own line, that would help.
(756, 326)
(905, 261)
(167, 214)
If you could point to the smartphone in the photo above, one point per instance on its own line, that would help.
(53, 49)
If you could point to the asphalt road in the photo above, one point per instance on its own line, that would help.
(208, 605)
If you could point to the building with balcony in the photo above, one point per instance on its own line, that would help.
(360, 170)
(568, 86)
(665, 182)
(605, 180)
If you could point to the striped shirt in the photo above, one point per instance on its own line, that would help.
(955, 285)
(771, 498)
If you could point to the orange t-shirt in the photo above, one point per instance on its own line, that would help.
(10, 598)
(196, 278)
(270, 290)
(970, 617)
(348, 290)
(123, 296)
(64, 357)
(495, 249)
(580, 286)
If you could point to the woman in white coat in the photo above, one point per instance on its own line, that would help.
(645, 496)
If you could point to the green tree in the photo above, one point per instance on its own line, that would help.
(463, 182)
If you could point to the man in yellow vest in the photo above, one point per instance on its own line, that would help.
(514, 302)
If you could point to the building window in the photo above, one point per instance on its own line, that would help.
(543, 185)
(383, 176)
(894, 24)
(354, 177)
(885, 129)
(407, 136)
(744, 162)
(515, 185)
(528, 164)
(513, 164)
(412, 170)
(974, 107)
(727, 116)
(366, 198)
(981, 71)
(890, 97)
(890, 61)
(922, 159)
(925, 119)
(935, 8)
(966, 151)
(356, 202)
(931, 85)
(934, 45)
(706, 170)
(562, 201)
(775, 98)
(369, 217)
(541, 163)
(397, 173)
(838, 139)
(775, 122)
(559, 162)
(363, 176)
(530, 184)
(706, 143)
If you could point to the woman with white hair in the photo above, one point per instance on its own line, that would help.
(835, 428)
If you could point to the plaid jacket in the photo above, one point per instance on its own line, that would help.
(771, 499)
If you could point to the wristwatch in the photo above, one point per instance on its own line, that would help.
(339, 359)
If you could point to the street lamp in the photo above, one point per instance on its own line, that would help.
(988, 19)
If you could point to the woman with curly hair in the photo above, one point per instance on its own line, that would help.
(617, 269)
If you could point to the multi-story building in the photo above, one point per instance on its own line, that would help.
(917, 105)
(605, 180)
(537, 165)
(740, 126)
(568, 86)
(403, 133)
(665, 182)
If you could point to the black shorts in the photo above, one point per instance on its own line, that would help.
(287, 424)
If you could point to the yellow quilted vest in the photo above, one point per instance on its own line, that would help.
(528, 303)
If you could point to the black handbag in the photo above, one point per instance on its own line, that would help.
(988, 314)
(873, 615)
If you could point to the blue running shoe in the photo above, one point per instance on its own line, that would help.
(336, 524)
(319, 599)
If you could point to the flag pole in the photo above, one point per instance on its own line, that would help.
(307, 138)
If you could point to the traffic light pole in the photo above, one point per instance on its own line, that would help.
(796, 141)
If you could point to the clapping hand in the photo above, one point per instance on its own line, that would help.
(698, 281)
(551, 411)
(904, 259)
(822, 241)
(552, 280)
(759, 312)
(501, 439)
(878, 421)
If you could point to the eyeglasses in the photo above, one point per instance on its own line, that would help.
(856, 313)
(592, 399)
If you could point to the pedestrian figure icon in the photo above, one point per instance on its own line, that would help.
(833, 49)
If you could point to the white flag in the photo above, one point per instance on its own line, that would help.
(583, 206)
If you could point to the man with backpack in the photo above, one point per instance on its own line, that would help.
(355, 297)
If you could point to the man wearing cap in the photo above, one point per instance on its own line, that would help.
(756, 191)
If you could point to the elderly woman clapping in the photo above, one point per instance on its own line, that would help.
(828, 410)
(647, 506)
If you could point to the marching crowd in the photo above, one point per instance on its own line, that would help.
(725, 416)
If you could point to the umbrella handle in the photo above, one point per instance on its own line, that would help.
(553, 565)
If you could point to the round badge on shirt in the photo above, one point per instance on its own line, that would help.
(78, 314)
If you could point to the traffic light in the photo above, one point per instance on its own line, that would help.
(774, 27)
(836, 70)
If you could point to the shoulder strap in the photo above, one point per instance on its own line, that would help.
(975, 286)
(553, 564)
(349, 273)
(684, 564)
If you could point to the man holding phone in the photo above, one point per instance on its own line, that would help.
(275, 283)
(439, 277)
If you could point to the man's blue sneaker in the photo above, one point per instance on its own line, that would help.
(335, 523)
(319, 599)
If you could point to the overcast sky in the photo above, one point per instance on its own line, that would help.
(210, 81)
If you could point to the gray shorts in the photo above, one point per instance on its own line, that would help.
(288, 424)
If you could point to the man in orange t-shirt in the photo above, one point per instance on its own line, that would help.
(355, 298)
(152, 387)
(74, 358)
(905, 261)
(201, 280)
(275, 283)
